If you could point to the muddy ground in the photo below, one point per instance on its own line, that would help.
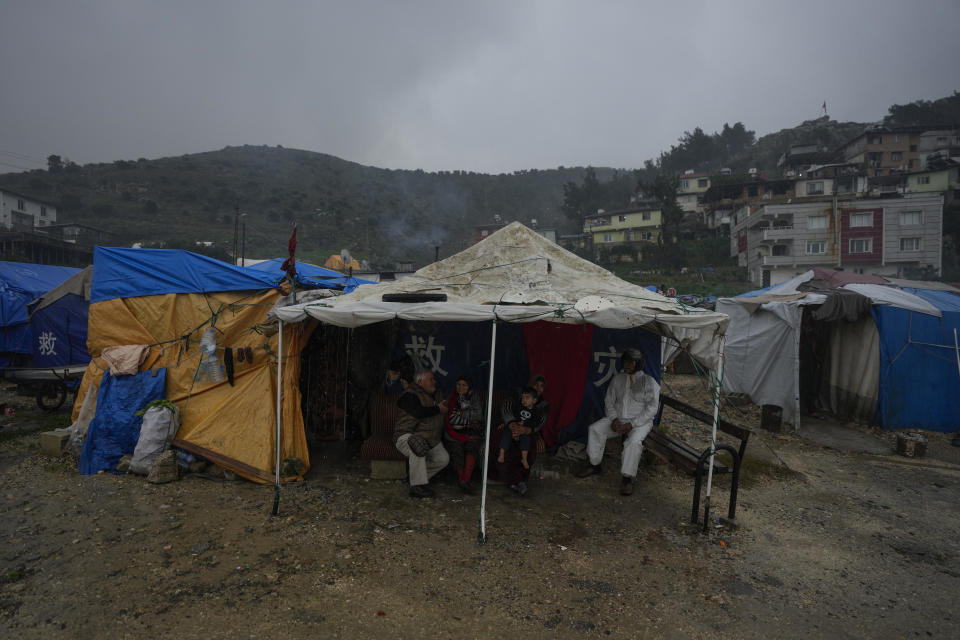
(831, 544)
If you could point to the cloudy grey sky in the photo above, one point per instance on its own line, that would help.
(481, 85)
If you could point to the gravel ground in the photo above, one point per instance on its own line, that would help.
(830, 545)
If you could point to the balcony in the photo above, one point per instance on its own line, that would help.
(778, 261)
(772, 234)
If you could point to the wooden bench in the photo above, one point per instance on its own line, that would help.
(694, 462)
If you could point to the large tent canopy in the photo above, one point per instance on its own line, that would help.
(516, 275)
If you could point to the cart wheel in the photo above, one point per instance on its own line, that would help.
(51, 396)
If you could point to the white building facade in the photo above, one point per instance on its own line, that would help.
(22, 213)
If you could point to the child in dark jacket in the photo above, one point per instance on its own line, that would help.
(521, 420)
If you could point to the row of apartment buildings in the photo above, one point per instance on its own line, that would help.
(875, 205)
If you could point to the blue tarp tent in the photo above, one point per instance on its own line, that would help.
(130, 273)
(58, 322)
(311, 276)
(21, 283)
(919, 368)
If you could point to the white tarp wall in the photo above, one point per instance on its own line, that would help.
(760, 355)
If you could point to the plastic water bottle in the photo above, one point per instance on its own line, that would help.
(210, 364)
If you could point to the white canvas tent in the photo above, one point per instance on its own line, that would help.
(516, 275)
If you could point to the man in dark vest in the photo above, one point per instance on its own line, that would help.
(418, 431)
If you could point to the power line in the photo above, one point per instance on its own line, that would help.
(22, 156)
(16, 166)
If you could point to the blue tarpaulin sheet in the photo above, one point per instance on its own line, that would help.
(20, 283)
(115, 429)
(130, 273)
(919, 384)
(311, 276)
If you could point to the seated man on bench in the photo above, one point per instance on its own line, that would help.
(630, 406)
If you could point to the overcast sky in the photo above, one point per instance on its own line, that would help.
(480, 85)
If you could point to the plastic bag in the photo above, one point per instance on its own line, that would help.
(78, 430)
(211, 369)
(159, 426)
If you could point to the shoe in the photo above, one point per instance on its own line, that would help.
(421, 491)
(520, 487)
(626, 486)
(466, 487)
(418, 445)
(589, 470)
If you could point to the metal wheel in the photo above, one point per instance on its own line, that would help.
(51, 396)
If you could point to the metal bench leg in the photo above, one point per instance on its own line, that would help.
(698, 477)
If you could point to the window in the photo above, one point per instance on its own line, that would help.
(608, 237)
(861, 245)
(923, 179)
(896, 138)
(485, 233)
(646, 235)
(43, 211)
(876, 140)
(814, 188)
(621, 218)
(702, 183)
(911, 163)
(861, 219)
(817, 222)
(815, 247)
(780, 250)
(646, 215)
(913, 148)
(21, 205)
(908, 218)
(630, 235)
(941, 139)
(896, 156)
(684, 184)
(909, 244)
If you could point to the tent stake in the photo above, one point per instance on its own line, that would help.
(713, 434)
(482, 536)
(276, 486)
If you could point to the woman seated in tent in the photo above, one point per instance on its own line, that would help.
(463, 431)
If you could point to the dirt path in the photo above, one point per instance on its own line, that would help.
(831, 546)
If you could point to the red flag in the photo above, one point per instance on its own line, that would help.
(290, 264)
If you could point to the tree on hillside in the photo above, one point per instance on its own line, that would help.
(54, 163)
(580, 200)
(921, 112)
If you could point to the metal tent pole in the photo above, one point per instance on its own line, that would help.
(276, 486)
(482, 536)
(713, 434)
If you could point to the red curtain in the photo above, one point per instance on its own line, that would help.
(561, 354)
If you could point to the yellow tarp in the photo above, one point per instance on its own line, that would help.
(234, 426)
(336, 263)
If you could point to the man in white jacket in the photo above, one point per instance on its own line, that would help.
(630, 407)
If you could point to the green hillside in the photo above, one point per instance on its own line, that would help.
(380, 215)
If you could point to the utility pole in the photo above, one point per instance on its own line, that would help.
(236, 232)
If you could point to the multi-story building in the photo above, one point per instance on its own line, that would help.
(634, 226)
(23, 213)
(898, 236)
(690, 189)
(881, 151)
